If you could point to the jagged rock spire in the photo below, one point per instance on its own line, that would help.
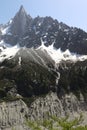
(22, 10)
(20, 22)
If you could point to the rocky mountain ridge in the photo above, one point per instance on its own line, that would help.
(27, 31)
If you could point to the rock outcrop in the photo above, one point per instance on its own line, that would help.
(53, 105)
(13, 115)
(20, 22)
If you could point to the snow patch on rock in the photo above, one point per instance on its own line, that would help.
(7, 51)
(58, 55)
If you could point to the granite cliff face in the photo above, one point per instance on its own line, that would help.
(13, 115)
(20, 23)
(52, 104)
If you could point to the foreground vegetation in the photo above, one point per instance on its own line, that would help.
(55, 123)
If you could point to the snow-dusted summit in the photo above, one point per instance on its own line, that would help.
(27, 31)
(42, 39)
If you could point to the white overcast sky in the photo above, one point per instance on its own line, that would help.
(71, 12)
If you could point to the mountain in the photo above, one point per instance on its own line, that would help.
(28, 31)
(33, 47)
(43, 68)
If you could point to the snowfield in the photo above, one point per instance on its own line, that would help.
(58, 55)
(7, 52)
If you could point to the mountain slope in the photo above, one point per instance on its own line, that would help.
(50, 56)
(44, 63)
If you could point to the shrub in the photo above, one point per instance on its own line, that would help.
(55, 123)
